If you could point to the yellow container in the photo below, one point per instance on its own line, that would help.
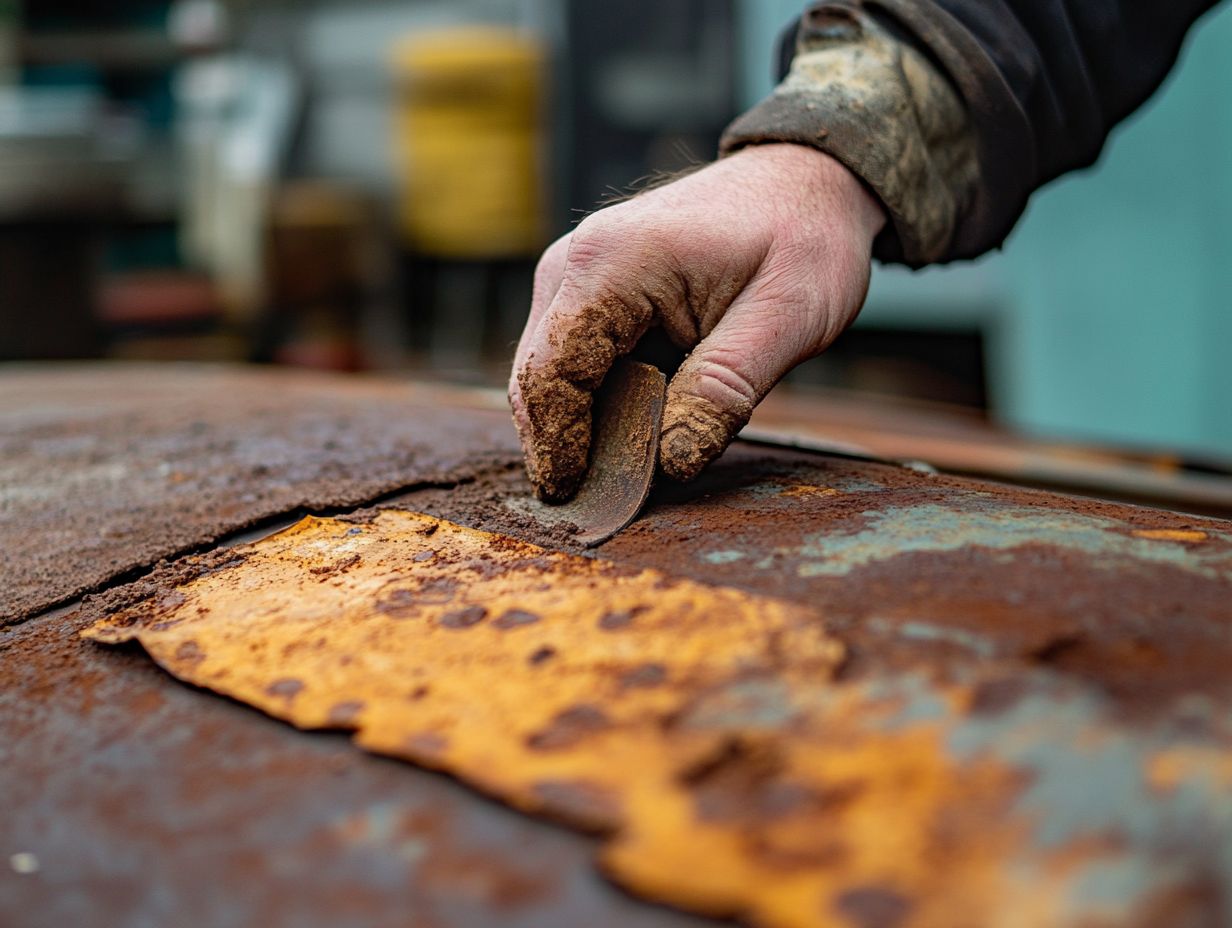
(469, 142)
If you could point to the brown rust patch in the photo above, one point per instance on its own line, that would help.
(610, 621)
(465, 617)
(426, 747)
(512, 618)
(345, 714)
(793, 789)
(541, 654)
(568, 728)
(646, 675)
(585, 805)
(873, 907)
(284, 688)
(189, 652)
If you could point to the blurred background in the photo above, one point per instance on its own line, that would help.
(365, 185)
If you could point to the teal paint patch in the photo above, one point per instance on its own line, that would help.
(1114, 888)
(785, 485)
(909, 700)
(766, 489)
(1085, 784)
(1086, 781)
(964, 523)
(928, 632)
(722, 557)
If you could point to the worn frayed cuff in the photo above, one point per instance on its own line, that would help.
(879, 106)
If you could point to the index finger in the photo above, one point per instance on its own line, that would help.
(592, 320)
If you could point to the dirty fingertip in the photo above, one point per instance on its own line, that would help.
(521, 423)
(692, 437)
(554, 427)
(553, 487)
(680, 456)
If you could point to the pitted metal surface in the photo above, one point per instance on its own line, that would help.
(701, 727)
(106, 469)
(1032, 705)
(131, 799)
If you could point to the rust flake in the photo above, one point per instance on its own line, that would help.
(699, 729)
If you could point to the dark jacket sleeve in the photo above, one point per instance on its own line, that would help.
(1043, 81)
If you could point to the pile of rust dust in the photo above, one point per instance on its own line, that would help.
(801, 690)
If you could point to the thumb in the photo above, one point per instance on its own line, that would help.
(713, 394)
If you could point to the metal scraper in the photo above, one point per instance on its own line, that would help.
(624, 450)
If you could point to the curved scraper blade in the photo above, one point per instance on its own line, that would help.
(624, 451)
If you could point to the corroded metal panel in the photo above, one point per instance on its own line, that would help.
(1041, 678)
(130, 799)
(106, 469)
(704, 731)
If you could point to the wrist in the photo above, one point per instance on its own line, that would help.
(883, 108)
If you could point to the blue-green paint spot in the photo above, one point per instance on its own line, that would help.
(722, 557)
(928, 632)
(843, 483)
(968, 522)
(1087, 780)
(1085, 783)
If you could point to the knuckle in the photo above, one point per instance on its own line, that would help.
(718, 378)
(620, 239)
(548, 273)
(590, 244)
(552, 260)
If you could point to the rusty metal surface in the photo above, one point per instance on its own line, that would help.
(695, 723)
(105, 469)
(566, 686)
(1053, 668)
(140, 801)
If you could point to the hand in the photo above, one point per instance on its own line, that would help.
(755, 263)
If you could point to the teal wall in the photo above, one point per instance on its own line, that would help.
(1109, 313)
(1120, 278)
